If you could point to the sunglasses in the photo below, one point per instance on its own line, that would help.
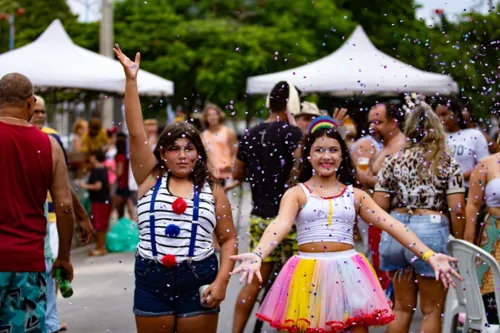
(39, 112)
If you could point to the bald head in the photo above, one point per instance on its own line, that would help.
(15, 89)
(16, 96)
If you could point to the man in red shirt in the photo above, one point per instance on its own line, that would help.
(31, 163)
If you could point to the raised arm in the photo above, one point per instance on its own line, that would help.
(372, 214)
(142, 158)
(273, 235)
(475, 201)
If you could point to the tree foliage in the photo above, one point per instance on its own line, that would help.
(210, 47)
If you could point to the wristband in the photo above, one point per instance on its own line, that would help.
(259, 255)
(427, 255)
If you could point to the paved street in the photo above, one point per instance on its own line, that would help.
(103, 291)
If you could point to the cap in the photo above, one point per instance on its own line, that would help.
(310, 109)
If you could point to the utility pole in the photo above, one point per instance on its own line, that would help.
(106, 49)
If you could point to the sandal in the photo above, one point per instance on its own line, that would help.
(97, 252)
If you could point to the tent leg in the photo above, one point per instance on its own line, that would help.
(249, 111)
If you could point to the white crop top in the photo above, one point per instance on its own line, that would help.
(313, 219)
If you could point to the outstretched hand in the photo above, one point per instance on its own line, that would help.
(131, 68)
(441, 265)
(250, 266)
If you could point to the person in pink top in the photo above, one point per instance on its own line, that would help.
(220, 141)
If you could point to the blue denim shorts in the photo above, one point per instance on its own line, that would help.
(51, 316)
(433, 231)
(162, 291)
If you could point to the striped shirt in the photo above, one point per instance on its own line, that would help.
(164, 216)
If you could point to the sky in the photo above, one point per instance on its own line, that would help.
(453, 7)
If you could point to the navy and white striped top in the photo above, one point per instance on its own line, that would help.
(164, 215)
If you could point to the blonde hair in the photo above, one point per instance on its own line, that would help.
(150, 121)
(423, 129)
(208, 107)
(79, 123)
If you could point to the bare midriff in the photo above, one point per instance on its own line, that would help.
(325, 247)
(419, 211)
(494, 211)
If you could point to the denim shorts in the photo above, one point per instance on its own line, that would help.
(433, 231)
(162, 291)
(51, 316)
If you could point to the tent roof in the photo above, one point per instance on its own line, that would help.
(357, 67)
(54, 61)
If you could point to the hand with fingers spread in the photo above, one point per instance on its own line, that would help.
(441, 264)
(339, 115)
(131, 68)
(250, 266)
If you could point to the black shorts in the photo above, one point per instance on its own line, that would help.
(161, 291)
(123, 192)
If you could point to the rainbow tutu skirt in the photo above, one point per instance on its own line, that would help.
(326, 292)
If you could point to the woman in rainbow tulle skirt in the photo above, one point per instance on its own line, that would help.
(329, 286)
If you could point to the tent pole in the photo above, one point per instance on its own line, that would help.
(249, 110)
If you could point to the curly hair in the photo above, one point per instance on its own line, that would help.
(302, 170)
(170, 134)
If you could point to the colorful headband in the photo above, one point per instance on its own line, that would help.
(321, 122)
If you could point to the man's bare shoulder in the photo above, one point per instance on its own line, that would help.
(57, 152)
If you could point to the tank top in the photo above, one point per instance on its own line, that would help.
(326, 219)
(218, 151)
(164, 216)
(492, 193)
(26, 176)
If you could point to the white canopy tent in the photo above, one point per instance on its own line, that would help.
(357, 67)
(54, 61)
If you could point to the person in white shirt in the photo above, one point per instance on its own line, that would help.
(467, 145)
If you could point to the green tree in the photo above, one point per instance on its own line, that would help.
(469, 51)
(210, 48)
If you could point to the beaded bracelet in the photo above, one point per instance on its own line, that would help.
(427, 255)
(259, 255)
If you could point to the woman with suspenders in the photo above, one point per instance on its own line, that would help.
(179, 285)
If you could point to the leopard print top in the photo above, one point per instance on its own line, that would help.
(412, 187)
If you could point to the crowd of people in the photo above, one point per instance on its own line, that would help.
(423, 173)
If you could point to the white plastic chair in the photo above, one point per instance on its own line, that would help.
(466, 297)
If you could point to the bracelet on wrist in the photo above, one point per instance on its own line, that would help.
(427, 255)
(259, 255)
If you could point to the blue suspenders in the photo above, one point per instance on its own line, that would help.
(194, 224)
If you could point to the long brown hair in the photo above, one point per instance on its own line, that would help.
(170, 134)
(302, 170)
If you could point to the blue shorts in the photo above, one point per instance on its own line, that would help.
(22, 302)
(162, 291)
(433, 231)
(51, 316)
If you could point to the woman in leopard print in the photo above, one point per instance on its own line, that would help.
(423, 187)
